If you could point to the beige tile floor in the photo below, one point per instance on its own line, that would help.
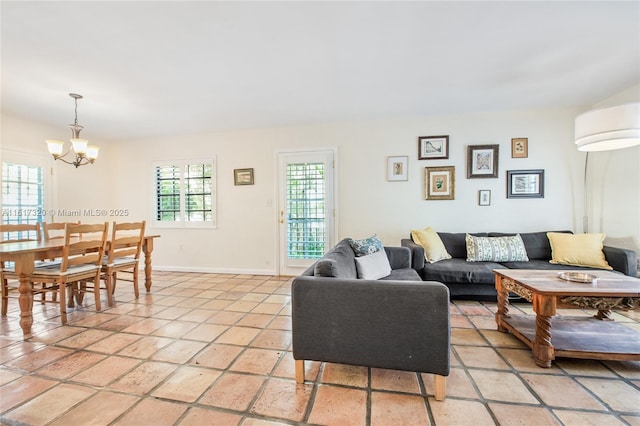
(209, 349)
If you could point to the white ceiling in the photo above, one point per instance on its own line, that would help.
(149, 69)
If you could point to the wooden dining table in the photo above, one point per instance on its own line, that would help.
(25, 254)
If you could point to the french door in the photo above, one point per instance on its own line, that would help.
(306, 208)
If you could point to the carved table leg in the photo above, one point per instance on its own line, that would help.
(503, 304)
(24, 269)
(25, 300)
(604, 315)
(543, 351)
(147, 248)
(542, 348)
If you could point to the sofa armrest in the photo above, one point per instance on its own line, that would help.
(622, 260)
(417, 254)
(402, 325)
(399, 257)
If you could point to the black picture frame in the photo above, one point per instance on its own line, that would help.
(433, 147)
(525, 183)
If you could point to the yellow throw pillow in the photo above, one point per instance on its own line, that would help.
(429, 239)
(578, 250)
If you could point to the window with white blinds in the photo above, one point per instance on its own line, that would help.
(22, 194)
(184, 193)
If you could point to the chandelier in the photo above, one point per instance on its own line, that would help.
(84, 153)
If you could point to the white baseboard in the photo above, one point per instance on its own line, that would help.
(214, 270)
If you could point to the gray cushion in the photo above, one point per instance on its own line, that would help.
(456, 244)
(339, 262)
(460, 271)
(404, 274)
(541, 264)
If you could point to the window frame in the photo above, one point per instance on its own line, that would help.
(48, 177)
(181, 223)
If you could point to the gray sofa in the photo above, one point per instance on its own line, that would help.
(399, 322)
(475, 280)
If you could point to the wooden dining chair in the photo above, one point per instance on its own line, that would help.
(81, 261)
(14, 233)
(54, 230)
(122, 254)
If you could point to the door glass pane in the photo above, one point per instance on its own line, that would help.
(22, 195)
(305, 210)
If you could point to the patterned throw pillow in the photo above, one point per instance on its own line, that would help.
(496, 249)
(366, 246)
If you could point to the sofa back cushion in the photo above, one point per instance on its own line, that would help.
(536, 243)
(456, 244)
(339, 262)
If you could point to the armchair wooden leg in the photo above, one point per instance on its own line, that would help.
(299, 371)
(441, 387)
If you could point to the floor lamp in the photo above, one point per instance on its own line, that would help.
(606, 129)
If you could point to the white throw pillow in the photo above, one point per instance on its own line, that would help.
(373, 266)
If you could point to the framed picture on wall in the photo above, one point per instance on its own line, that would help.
(243, 176)
(397, 168)
(484, 197)
(525, 183)
(482, 161)
(433, 147)
(519, 148)
(440, 183)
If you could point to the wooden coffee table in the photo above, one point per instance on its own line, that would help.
(548, 336)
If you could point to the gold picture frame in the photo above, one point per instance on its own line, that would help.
(440, 183)
(519, 147)
(243, 176)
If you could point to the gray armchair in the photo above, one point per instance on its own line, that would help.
(401, 325)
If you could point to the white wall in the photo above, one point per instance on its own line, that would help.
(246, 237)
(614, 186)
(73, 189)
(245, 240)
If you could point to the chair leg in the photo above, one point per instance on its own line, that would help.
(135, 281)
(440, 387)
(5, 296)
(73, 295)
(63, 302)
(109, 285)
(96, 292)
(299, 371)
(114, 279)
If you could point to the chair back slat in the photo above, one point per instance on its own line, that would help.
(19, 232)
(54, 230)
(126, 240)
(84, 244)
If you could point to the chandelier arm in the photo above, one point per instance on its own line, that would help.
(88, 156)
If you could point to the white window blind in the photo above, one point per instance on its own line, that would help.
(22, 195)
(184, 193)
